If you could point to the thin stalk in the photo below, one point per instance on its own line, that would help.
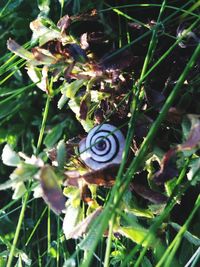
(196, 260)
(39, 255)
(167, 52)
(119, 12)
(109, 241)
(11, 74)
(49, 230)
(19, 224)
(152, 132)
(170, 204)
(181, 9)
(36, 226)
(12, 203)
(8, 65)
(4, 8)
(102, 221)
(135, 100)
(176, 242)
(192, 260)
(46, 111)
(144, 147)
(135, 104)
(58, 243)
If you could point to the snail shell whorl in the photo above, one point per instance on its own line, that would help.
(103, 146)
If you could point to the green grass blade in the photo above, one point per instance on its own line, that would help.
(19, 224)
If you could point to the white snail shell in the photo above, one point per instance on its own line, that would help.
(103, 146)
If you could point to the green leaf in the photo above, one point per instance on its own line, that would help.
(42, 33)
(2, 261)
(194, 173)
(170, 185)
(137, 234)
(75, 107)
(88, 241)
(69, 263)
(43, 6)
(37, 77)
(19, 190)
(4, 91)
(61, 154)
(139, 212)
(146, 262)
(70, 89)
(190, 237)
(62, 2)
(53, 136)
(19, 262)
(22, 173)
(10, 157)
(62, 101)
(53, 250)
(9, 107)
(98, 96)
(10, 6)
(73, 194)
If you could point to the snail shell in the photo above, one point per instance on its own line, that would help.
(103, 146)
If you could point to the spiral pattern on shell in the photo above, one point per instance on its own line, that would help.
(103, 146)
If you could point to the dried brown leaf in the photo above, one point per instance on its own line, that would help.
(146, 193)
(193, 138)
(52, 193)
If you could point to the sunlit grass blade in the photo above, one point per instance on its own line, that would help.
(117, 193)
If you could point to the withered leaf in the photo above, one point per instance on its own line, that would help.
(83, 109)
(155, 98)
(117, 61)
(21, 52)
(99, 116)
(194, 136)
(83, 41)
(87, 16)
(52, 193)
(43, 56)
(77, 53)
(168, 168)
(174, 115)
(86, 195)
(146, 193)
(64, 23)
(97, 38)
(43, 33)
(103, 177)
(84, 106)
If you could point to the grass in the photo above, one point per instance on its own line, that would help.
(30, 233)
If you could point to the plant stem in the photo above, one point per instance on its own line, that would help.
(20, 220)
(58, 243)
(109, 241)
(175, 243)
(36, 226)
(135, 109)
(170, 100)
(49, 230)
(46, 111)
(102, 221)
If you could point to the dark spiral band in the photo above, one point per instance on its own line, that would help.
(103, 146)
(103, 158)
(105, 151)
